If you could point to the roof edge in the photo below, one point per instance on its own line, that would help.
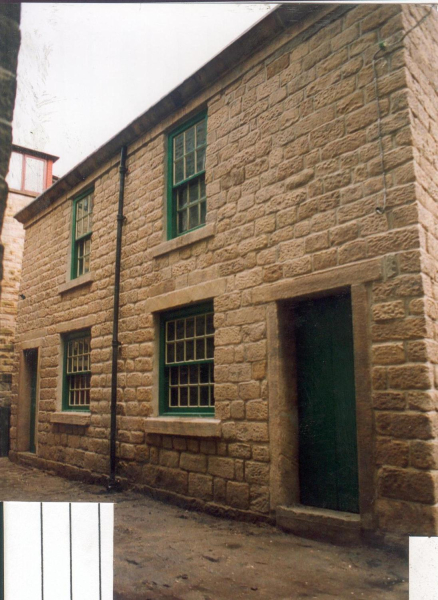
(260, 34)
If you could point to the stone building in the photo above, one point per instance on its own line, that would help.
(30, 173)
(276, 347)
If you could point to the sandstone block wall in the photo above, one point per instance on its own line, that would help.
(12, 240)
(293, 182)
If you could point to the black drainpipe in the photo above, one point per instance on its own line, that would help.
(115, 341)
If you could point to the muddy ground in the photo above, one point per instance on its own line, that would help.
(164, 552)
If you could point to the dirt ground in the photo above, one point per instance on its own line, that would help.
(164, 552)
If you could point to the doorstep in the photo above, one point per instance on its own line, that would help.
(321, 524)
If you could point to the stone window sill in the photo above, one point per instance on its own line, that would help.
(76, 283)
(184, 240)
(71, 418)
(186, 426)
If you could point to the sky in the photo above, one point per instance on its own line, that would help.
(87, 70)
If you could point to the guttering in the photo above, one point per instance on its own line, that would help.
(115, 339)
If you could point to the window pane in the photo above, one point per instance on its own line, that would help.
(183, 375)
(174, 397)
(201, 133)
(180, 352)
(171, 330)
(178, 146)
(179, 171)
(204, 395)
(209, 321)
(190, 140)
(174, 376)
(204, 371)
(180, 329)
(182, 221)
(34, 175)
(170, 353)
(190, 350)
(200, 349)
(194, 191)
(200, 325)
(194, 216)
(193, 400)
(182, 197)
(190, 327)
(15, 171)
(183, 400)
(190, 164)
(200, 160)
(193, 373)
(210, 347)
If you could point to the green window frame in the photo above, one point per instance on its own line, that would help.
(187, 201)
(77, 371)
(82, 229)
(187, 361)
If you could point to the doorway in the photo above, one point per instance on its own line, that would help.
(324, 356)
(31, 363)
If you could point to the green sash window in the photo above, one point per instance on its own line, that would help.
(187, 202)
(82, 230)
(187, 361)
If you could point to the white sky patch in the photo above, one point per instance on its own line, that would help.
(87, 70)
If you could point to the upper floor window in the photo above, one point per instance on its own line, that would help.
(30, 170)
(82, 230)
(187, 201)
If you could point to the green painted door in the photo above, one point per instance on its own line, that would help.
(326, 404)
(32, 365)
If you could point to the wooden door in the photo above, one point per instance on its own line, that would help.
(326, 404)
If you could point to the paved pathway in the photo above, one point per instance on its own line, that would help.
(164, 552)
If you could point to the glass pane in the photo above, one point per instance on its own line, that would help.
(193, 373)
(193, 191)
(173, 396)
(203, 207)
(190, 164)
(202, 182)
(194, 216)
(200, 133)
(180, 329)
(203, 401)
(204, 373)
(34, 174)
(171, 330)
(200, 325)
(190, 350)
(193, 401)
(183, 375)
(174, 376)
(200, 351)
(170, 353)
(178, 145)
(180, 352)
(200, 160)
(190, 327)
(183, 400)
(182, 197)
(190, 140)
(209, 320)
(179, 171)
(182, 221)
(15, 171)
(210, 347)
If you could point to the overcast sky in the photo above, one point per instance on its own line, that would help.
(87, 70)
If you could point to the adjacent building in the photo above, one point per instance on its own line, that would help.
(30, 173)
(277, 338)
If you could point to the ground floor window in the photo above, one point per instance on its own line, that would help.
(187, 361)
(77, 371)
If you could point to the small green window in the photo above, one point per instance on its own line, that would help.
(82, 230)
(187, 201)
(77, 371)
(187, 361)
